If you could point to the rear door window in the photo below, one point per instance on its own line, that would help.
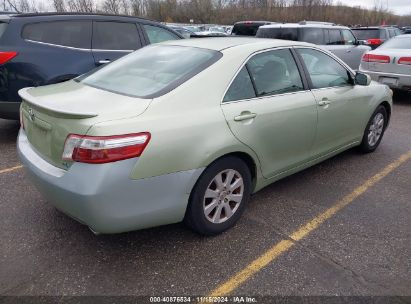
(158, 34)
(275, 72)
(66, 33)
(313, 35)
(335, 37)
(115, 36)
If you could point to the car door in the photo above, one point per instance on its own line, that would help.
(269, 108)
(112, 40)
(341, 105)
(337, 46)
(354, 51)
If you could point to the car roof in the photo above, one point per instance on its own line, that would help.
(403, 36)
(222, 43)
(372, 27)
(303, 25)
(57, 15)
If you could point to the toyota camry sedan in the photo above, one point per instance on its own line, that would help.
(188, 130)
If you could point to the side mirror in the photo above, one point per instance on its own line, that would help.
(362, 79)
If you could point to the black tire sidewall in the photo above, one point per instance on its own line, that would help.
(365, 146)
(195, 217)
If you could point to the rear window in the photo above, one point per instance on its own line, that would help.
(278, 33)
(66, 33)
(365, 34)
(397, 43)
(3, 26)
(246, 29)
(151, 71)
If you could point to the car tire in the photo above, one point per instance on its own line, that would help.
(374, 131)
(219, 197)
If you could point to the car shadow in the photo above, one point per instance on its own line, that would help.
(8, 131)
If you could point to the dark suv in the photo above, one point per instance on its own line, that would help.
(375, 36)
(247, 28)
(40, 49)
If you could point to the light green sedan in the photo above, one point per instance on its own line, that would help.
(188, 130)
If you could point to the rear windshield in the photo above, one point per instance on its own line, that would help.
(151, 71)
(3, 26)
(397, 43)
(246, 29)
(365, 34)
(278, 33)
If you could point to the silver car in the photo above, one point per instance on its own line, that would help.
(337, 39)
(390, 63)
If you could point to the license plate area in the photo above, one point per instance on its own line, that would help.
(39, 135)
(389, 80)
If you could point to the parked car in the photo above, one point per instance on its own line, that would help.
(337, 39)
(188, 129)
(182, 31)
(390, 63)
(40, 49)
(407, 30)
(375, 36)
(247, 28)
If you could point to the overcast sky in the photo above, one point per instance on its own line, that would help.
(401, 7)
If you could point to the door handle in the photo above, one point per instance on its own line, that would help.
(105, 61)
(324, 102)
(245, 116)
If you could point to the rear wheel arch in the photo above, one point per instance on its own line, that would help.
(387, 107)
(247, 159)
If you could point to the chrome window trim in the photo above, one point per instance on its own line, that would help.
(245, 62)
(75, 48)
(58, 45)
(266, 96)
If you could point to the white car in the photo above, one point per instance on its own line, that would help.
(390, 63)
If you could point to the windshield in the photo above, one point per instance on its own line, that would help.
(151, 71)
(366, 34)
(397, 43)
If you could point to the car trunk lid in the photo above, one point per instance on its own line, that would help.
(51, 113)
(392, 66)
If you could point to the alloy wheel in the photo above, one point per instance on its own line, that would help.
(223, 196)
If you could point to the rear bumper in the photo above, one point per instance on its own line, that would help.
(104, 197)
(403, 82)
(9, 110)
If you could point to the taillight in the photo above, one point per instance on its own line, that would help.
(104, 149)
(376, 58)
(404, 60)
(374, 41)
(7, 56)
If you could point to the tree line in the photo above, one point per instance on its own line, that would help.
(221, 11)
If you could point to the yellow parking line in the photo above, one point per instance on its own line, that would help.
(10, 169)
(255, 266)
